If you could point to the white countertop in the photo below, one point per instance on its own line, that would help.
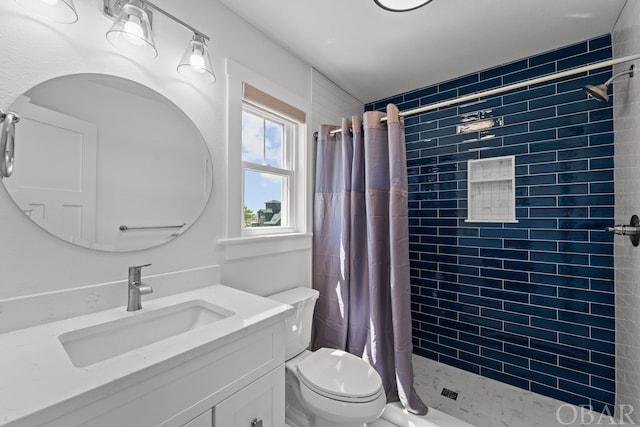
(36, 374)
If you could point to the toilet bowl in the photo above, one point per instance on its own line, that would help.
(327, 387)
(339, 387)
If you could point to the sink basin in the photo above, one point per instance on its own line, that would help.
(106, 340)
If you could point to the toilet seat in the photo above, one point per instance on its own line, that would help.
(340, 412)
(340, 376)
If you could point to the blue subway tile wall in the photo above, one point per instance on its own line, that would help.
(530, 303)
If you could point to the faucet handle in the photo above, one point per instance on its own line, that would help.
(138, 267)
(135, 271)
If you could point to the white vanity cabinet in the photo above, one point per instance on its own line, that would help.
(260, 404)
(226, 375)
(257, 405)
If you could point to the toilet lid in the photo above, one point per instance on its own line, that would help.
(339, 374)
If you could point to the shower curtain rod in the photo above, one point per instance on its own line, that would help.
(507, 88)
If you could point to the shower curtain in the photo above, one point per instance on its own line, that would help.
(361, 249)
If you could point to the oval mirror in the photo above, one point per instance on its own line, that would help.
(107, 163)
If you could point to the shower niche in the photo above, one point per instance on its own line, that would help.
(491, 190)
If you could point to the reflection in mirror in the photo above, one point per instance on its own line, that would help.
(95, 153)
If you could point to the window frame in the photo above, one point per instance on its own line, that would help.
(288, 170)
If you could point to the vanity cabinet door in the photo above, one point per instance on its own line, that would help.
(203, 420)
(260, 404)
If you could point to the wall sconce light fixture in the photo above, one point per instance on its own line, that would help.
(132, 33)
(196, 63)
(401, 5)
(61, 11)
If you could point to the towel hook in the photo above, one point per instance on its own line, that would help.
(7, 142)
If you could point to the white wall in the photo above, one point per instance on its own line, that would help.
(32, 51)
(331, 103)
(626, 41)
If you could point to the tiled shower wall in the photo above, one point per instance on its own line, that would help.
(528, 303)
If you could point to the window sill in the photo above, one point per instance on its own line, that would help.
(265, 244)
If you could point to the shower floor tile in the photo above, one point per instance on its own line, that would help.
(484, 402)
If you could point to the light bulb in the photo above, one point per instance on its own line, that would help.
(197, 62)
(134, 30)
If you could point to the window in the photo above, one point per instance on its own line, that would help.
(271, 160)
(269, 193)
(268, 145)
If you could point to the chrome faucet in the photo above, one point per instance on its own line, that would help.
(137, 288)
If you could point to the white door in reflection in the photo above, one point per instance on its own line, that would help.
(56, 181)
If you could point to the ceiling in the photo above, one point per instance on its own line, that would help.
(373, 54)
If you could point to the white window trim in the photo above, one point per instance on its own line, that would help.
(237, 75)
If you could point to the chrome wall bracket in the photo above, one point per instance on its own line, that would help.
(7, 142)
(632, 230)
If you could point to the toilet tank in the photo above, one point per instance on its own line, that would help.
(298, 324)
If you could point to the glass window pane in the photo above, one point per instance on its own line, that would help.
(273, 152)
(252, 138)
(264, 194)
(262, 140)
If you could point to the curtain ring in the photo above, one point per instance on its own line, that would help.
(7, 142)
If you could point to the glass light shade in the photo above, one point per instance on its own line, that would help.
(61, 11)
(131, 32)
(196, 63)
(401, 5)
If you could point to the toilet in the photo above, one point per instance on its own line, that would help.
(327, 387)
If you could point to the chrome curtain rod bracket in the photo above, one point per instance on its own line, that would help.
(111, 8)
(150, 227)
